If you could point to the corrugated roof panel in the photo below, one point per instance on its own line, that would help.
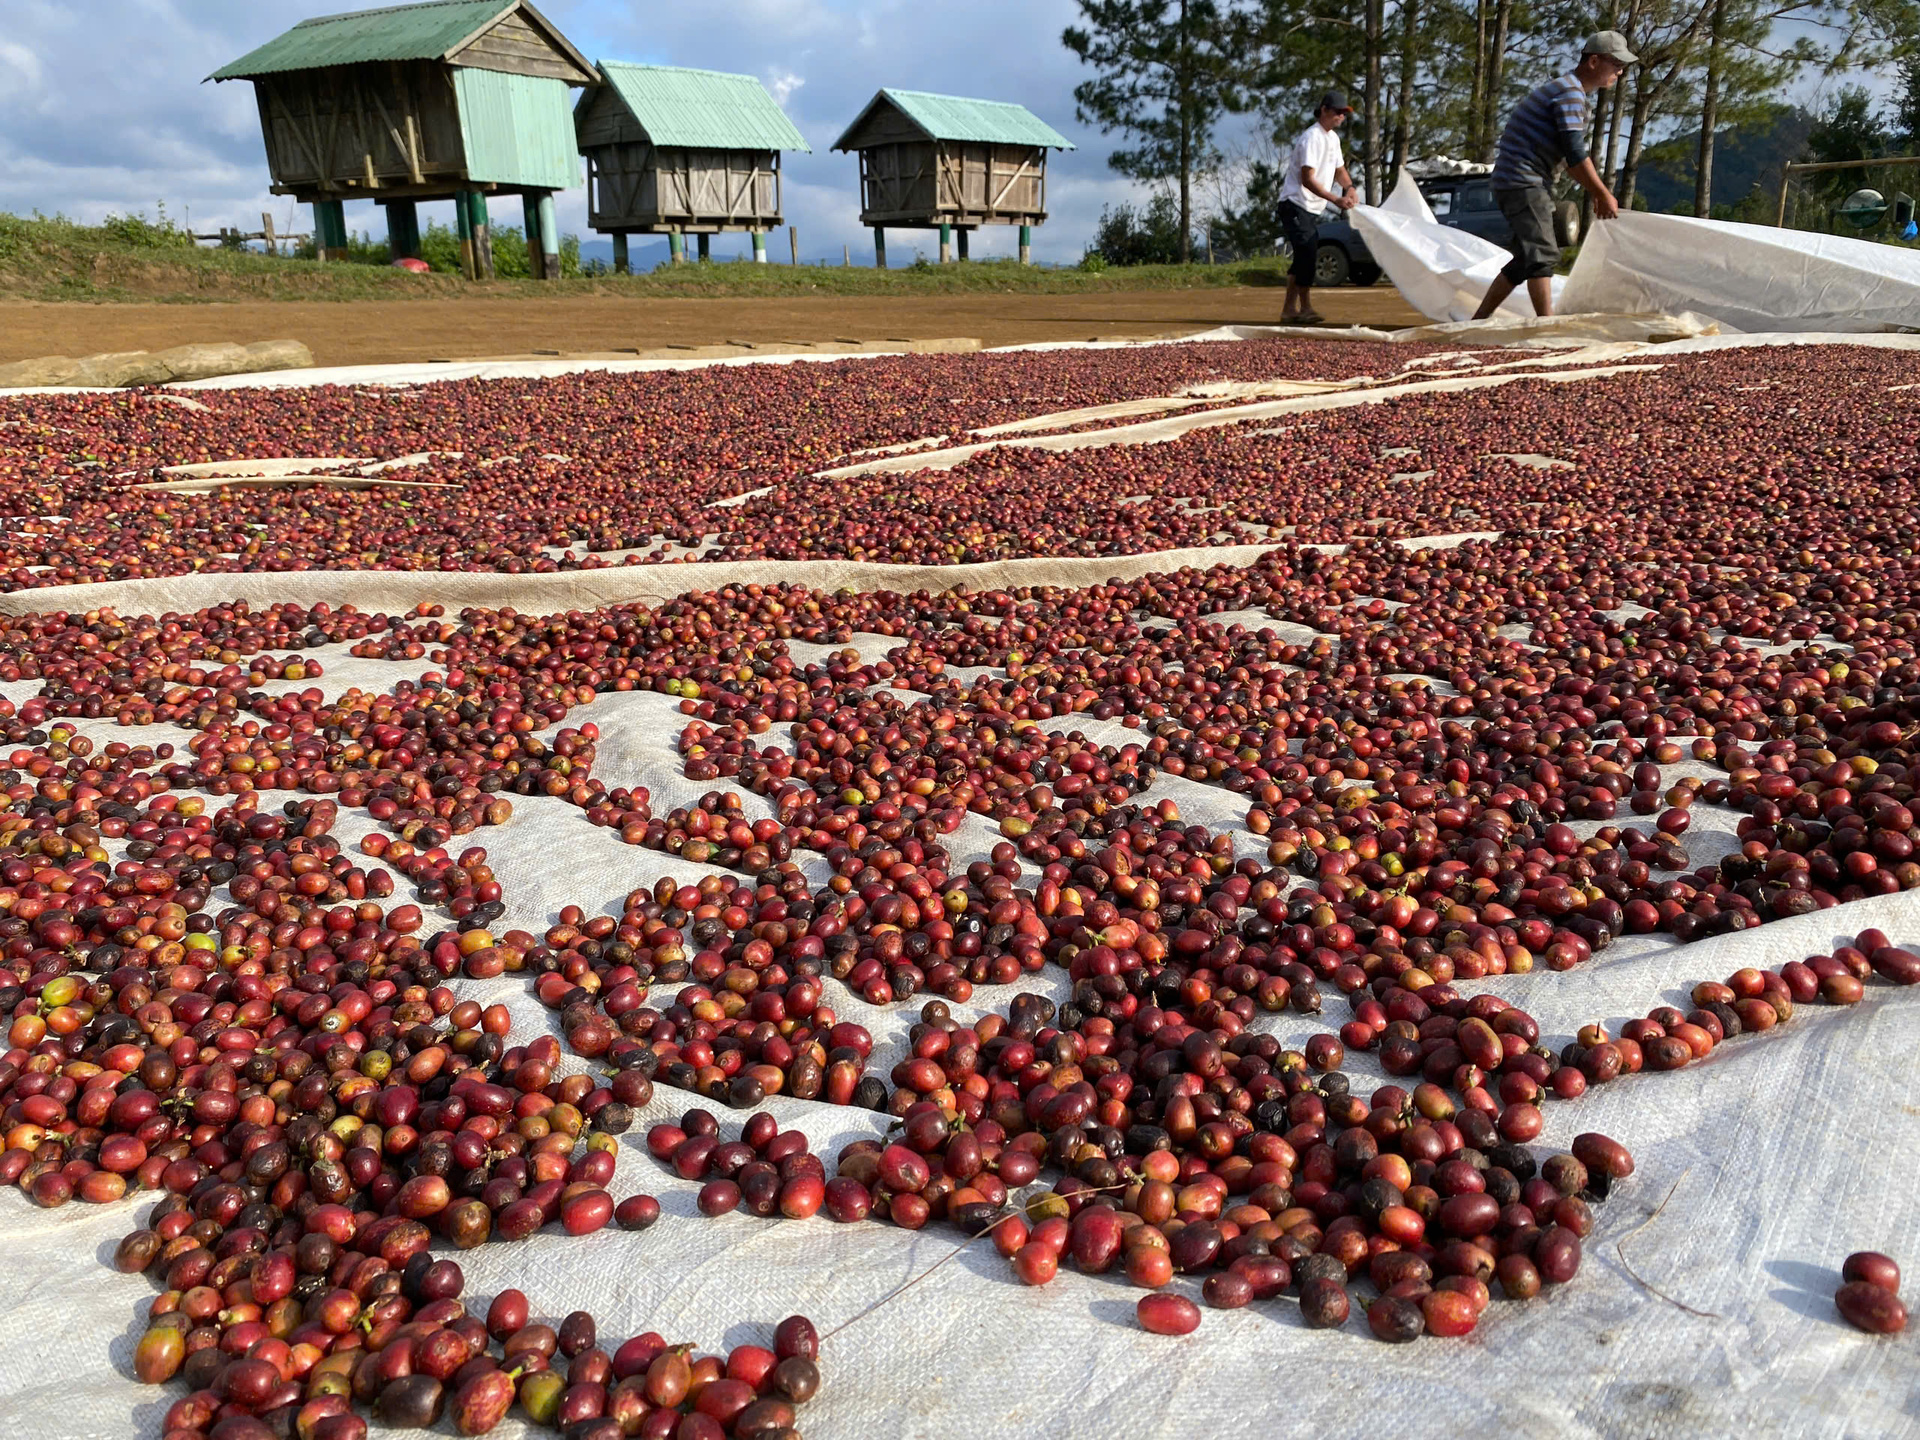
(953, 117)
(518, 129)
(702, 109)
(423, 31)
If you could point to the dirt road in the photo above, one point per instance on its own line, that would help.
(372, 332)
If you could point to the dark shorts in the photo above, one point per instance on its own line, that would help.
(1302, 229)
(1536, 253)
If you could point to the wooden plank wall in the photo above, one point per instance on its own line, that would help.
(991, 179)
(886, 126)
(898, 180)
(967, 184)
(634, 185)
(517, 48)
(361, 128)
(605, 120)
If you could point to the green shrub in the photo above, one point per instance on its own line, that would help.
(140, 233)
(440, 248)
(1149, 236)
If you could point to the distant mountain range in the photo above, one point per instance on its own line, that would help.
(646, 252)
(1743, 157)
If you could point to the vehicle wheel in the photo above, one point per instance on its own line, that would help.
(1330, 266)
(1366, 275)
(1566, 223)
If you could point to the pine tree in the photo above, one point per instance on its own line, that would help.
(1906, 102)
(1163, 75)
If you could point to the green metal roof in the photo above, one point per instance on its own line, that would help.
(405, 32)
(427, 30)
(950, 117)
(701, 109)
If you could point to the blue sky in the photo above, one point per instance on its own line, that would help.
(102, 109)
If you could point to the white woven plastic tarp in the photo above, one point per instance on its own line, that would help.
(1744, 277)
(1766, 1165)
(1752, 277)
(1443, 272)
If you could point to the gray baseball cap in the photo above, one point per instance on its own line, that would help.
(1612, 44)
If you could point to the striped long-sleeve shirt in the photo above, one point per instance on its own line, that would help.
(1546, 130)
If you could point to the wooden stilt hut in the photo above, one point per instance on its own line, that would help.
(462, 100)
(682, 152)
(945, 163)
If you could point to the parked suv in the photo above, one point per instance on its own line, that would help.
(1342, 257)
(1464, 202)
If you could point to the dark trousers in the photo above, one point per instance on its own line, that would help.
(1529, 213)
(1302, 229)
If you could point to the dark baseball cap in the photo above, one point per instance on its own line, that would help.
(1333, 100)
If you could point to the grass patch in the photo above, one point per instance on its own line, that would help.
(131, 258)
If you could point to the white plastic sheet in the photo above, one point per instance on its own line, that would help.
(1443, 272)
(1752, 277)
(1745, 277)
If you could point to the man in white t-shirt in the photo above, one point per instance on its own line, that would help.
(1314, 166)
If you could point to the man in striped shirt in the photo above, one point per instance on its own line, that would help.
(1548, 129)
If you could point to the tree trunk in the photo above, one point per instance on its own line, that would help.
(1593, 151)
(1616, 103)
(1186, 195)
(1647, 93)
(1376, 19)
(1409, 60)
(1182, 90)
(1709, 117)
(1477, 101)
(1616, 109)
(1643, 98)
(1496, 75)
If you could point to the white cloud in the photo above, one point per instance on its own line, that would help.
(20, 71)
(782, 85)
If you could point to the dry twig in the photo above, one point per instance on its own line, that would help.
(905, 1286)
(1619, 1250)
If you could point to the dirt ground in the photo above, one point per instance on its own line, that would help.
(374, 332)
